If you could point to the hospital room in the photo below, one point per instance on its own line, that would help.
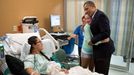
(66, 37)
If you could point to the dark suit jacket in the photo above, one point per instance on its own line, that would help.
(100, 28)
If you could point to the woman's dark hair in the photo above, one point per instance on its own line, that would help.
(31, 41)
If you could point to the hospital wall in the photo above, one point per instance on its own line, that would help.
(12, 12)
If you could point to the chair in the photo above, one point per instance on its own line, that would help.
(69, 47)
(66, 62)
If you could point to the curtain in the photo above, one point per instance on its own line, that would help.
(120, 14)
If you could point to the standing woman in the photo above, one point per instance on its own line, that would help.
(78, 32)
(86, 54)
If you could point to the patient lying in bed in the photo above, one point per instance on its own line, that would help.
(37, 63)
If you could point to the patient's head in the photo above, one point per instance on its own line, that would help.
(36, 45)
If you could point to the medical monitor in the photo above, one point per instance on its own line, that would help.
(55, 20)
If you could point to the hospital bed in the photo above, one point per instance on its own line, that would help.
(15, 44)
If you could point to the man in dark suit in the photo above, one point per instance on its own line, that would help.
(100, 29)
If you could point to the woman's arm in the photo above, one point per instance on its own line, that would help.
(72, 36)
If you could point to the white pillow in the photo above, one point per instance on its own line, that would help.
(25, 51)
(49, 47)
(17, 40)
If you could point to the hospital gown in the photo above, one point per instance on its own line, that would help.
(38, 62)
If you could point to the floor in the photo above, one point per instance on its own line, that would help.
(118, 72)
(117, 60)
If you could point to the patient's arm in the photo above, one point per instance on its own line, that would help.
(32, 72)
(65, 71)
